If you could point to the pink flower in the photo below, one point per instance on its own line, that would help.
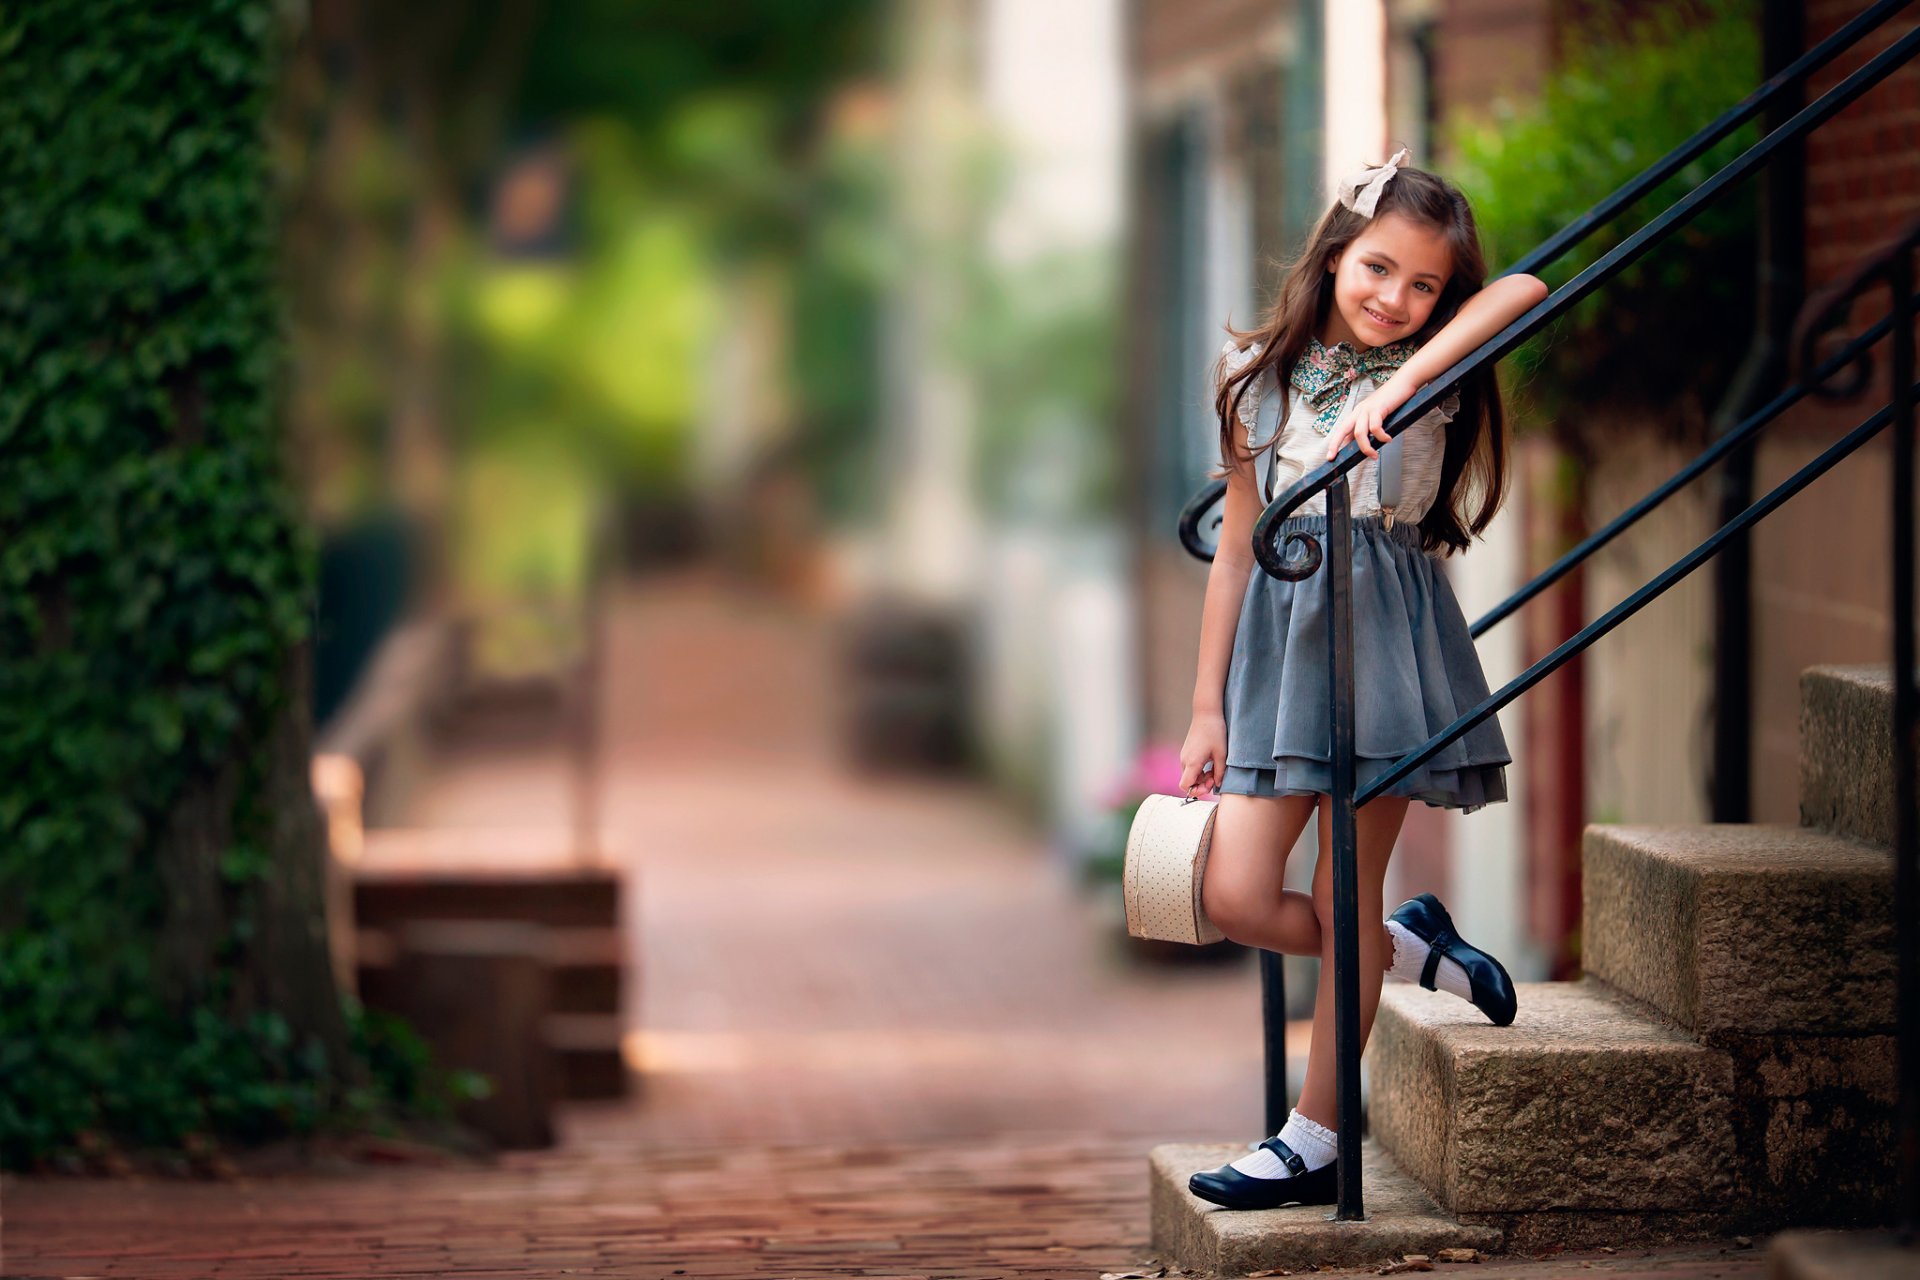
(1156, 771)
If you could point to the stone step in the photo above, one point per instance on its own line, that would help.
(1585, 1105)
(1743, 929)
(1846, 751)
(1199, 1235)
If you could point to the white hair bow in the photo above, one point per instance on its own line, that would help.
(1361, 192)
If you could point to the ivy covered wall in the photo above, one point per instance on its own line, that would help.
(163, 970)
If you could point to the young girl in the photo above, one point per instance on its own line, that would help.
(1387, 296)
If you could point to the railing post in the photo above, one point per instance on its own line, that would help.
(1273, 1019)
(1906, 752)
(1346, 871)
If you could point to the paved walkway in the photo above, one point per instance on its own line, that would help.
(828, 957)
(964, 1210)
(877, 1032)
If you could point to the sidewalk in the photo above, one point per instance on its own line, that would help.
(825, 957)
(876, 1032)
(964, 1210)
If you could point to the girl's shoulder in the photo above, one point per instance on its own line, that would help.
(1234, 358)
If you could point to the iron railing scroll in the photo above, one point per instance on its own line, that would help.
(1302, 556)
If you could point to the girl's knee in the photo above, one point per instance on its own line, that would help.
(1230, 909)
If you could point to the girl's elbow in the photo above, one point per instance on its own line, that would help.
(1535, 289)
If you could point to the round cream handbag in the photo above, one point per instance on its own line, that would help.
(1166, 860)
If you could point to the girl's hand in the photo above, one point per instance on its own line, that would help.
(1205, 749)
(1362, 424)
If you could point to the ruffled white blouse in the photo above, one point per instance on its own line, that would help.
(1300, 447)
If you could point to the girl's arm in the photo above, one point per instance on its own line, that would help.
(1219, 619)
(1479, 318)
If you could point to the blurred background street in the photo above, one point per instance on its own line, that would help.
(827, 957)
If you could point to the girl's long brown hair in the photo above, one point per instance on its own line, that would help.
(1473, 468)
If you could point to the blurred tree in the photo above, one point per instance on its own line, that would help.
(751, 122)
(847, 251)
(644, 61)
(394, 120)
(390, 115)
(437, 372)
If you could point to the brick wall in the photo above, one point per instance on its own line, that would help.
(1863, 166)
(1821, 590)
(1490, 48)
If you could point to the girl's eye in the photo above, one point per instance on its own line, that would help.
(1419, 284)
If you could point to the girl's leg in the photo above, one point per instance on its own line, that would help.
(1246, 866)
(1377, 827)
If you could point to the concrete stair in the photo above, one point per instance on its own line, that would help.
(1583, 1105)
(1846, 751)
(1729, 929)
(1726, 1062)
(1403, 1219)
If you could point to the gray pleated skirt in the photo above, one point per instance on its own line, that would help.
(1415, 672)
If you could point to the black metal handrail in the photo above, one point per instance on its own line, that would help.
(1893, 265)
(1719, 449)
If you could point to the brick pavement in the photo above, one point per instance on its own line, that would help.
(878, 1033)
(828, 957)
(966, 1210)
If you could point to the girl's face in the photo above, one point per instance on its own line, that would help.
(1386, 283)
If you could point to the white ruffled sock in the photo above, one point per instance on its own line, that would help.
(1410, 957)
(1313, 1143)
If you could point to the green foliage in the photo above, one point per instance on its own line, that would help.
(1040, 334)
(573, 379)
(723, 114)
(847, 255)
(1043, 338)
(597, 354)
(1667, 333)
(153, 574)
(643, 60)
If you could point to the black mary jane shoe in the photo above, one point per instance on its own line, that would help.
(1234, 1189)
(1492, 989)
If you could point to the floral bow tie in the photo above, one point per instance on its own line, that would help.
(1323, 373)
